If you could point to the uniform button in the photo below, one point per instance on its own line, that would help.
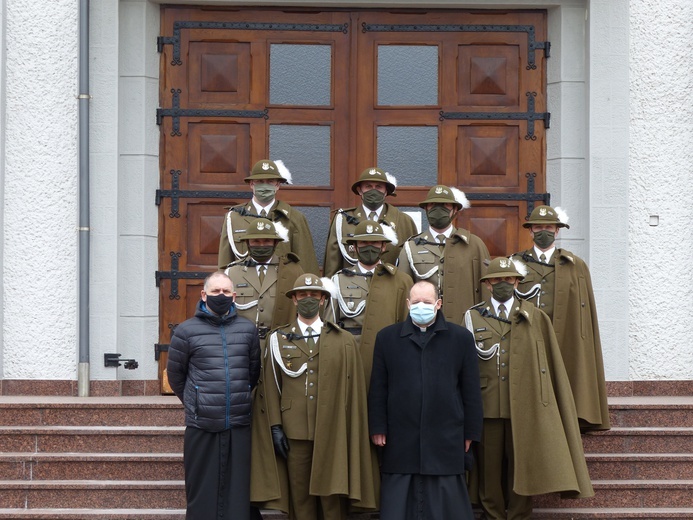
(543, 371)
(310, 384)
(543, 292)
(311, 397)
(543, 305)
(502, 364)
(311, 371)
(261, 309)
(310, 359)
(502, 351)
(544, 280)
(502, 337)
(261, 297)
(503, 378)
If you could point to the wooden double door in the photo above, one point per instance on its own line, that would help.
(433, 97)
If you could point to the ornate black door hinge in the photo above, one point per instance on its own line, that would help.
(530, 195)
(530, 116)
(174, 275)
(532, 44)
(175, 193)
(241, 26)
(176, 113)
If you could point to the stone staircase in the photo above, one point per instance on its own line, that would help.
(120, 458)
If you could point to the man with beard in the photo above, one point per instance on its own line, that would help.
(450, 258)
(316, 400)
(265, 179)
(372, 186)
(559, 283)
(531, 440)
(424, 410)
(213, 364)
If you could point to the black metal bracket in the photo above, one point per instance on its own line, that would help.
(530, 196)
(530, 116)
(163, 347)
(240, 26)
(175, 193)
(174, 275)
(176, 113)
(113, 360)
(532, 44)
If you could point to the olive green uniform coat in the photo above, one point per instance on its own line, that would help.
(574, 317)
(385, 294)
(241, 216)
(337, 420)
(343, 225)
(461, 262)
(546, 437)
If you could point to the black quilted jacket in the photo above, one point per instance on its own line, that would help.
(213, 364)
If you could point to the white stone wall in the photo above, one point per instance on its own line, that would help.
(40, 185)
(619, 150)
(661, 173)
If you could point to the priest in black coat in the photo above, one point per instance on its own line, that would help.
(424, 410)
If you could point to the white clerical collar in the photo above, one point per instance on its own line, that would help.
(538, 252)
(316, 326)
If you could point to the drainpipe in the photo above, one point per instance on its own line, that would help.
(83, 367)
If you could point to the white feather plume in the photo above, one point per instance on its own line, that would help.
(329, 285)
(562, 215)
(390, 234)
(391, 179)
(284, 171)
(281, 231)
(460, 197)
(520, 267)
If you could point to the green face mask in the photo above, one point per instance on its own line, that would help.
(261, 253)
(308, 307)
(373, 199)
(544, 239)
(368, 255)
(502, 291)
(264, 193)
(439, 217)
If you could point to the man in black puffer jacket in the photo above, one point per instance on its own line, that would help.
(213, 365)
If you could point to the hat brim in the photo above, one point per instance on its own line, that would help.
(423, 204)
(390, 187)
(293, 291)
(501, 274)
(266, 177)
(531, 223)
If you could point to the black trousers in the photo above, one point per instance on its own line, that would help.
(217, 474)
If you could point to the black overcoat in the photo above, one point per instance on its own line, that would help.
(425, 396)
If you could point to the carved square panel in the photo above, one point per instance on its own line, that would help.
(496, 225)
(488, 156)
(203, 231)
(218, 154)
(488, 76)
(219, 73)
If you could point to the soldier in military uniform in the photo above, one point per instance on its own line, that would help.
(316, 399)
(259, 279)
(450, 258)
(265, 179)
(559, 283)
(372, 186)
(372, 294)
(531, 440)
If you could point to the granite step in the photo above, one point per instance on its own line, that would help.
(91, 466)
(665, 412)
(645, 466)
(98, 494)
(92, 514)
(96, 439)
(612, 514)
(626, 493)
(91, 411)
(640, 440)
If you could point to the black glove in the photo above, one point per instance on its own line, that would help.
(281, 443)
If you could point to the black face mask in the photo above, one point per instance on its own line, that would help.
(219, 303)
(261, 253)
(368, 255)
(308, 307)
(439, 217)
(373, 199)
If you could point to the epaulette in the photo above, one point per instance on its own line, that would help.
(290, 257)
(386, 267)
